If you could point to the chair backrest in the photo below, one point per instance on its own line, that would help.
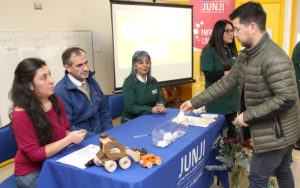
(116, 105)
(9, 182)
(8, 145)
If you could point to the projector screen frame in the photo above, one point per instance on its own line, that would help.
(161, 83)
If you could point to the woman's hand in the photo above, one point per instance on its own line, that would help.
(161, 108)
(155, 110)
(77, 136)
(186, 107)
(72, 137)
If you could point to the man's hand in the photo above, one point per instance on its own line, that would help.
(186, 107)
(240, 121)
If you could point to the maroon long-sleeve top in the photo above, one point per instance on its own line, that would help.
(31, 154)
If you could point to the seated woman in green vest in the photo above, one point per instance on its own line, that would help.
(140, 90)
(217, 58)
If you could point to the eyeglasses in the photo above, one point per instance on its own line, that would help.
(228, 30)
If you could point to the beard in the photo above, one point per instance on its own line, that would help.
(246, 44)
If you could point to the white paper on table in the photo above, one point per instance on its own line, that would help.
(80, 157)
(209, 116)
(200, 122)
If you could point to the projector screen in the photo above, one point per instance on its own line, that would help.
(163, 30)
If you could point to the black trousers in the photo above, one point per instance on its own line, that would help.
(231, 128)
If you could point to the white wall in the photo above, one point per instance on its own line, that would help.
(62, 15)
(287, 26)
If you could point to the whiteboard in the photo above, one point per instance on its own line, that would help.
(49, 46)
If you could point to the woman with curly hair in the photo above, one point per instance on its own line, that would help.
(39, 120)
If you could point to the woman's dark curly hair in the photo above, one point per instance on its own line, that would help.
(23, 97)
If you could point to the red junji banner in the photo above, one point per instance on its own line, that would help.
(206, 13)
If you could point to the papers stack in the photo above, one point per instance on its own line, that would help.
(199, 122)
(80, 157)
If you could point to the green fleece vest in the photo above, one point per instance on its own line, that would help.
(211, 62)
(296, 62)
(139, 98)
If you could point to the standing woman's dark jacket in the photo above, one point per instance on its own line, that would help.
(296, 62)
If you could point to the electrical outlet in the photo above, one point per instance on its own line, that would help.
(37, 5)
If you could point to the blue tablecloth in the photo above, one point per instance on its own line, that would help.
(182, 165)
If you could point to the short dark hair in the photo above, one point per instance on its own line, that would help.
(67, 54)
(250, 12)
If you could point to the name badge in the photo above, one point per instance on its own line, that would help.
(154, 91)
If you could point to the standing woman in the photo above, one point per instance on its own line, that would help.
(296, 62)
(140, 90)
(217, 58)
(39, 120)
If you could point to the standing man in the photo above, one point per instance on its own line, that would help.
(296, 62)
(268, 97)
(85, 103)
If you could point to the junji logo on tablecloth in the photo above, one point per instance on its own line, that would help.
(191, 165)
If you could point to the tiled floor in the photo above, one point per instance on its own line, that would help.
(6, 171)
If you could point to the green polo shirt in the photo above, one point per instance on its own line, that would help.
(139, 98)
(211, 62)
(296, 62)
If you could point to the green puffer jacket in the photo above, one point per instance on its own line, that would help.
(267, 76)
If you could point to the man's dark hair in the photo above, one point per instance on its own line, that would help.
(67, 54)
(250, 12)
